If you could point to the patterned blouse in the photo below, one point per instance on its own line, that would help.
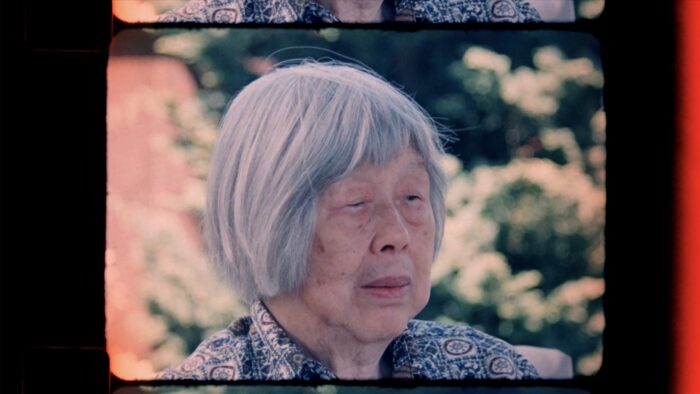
(256, 348)
(310, 11)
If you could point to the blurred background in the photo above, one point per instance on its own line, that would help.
(523, 253)
(550, 10)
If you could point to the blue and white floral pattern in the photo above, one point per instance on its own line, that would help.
(310, 11)
(255, 347)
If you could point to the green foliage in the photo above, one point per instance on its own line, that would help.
(523, 251)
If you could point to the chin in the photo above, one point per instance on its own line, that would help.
(375, 333)
(384, 325)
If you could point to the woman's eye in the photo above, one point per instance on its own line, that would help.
(357, 206)
(413, 197)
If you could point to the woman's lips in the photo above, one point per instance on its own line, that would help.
(388, 287)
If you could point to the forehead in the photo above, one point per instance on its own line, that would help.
(405, 162)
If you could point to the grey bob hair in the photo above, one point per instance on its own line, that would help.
(286, 137)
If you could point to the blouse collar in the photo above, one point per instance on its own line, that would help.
(290, 362)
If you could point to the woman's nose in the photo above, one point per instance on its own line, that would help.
(391, 231)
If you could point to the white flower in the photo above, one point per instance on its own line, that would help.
(451, 165)
(534, 92)
(187, 45)
(484, 266)
(591, 8)
(547, 58)
(577, 292)
(564, 139)
(484, 59)
(598, 124)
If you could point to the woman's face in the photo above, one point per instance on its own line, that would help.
(369, 271)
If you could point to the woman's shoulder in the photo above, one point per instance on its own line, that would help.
(455, 337)
(429, 329)
(459, 351)
(221, 356)
(466, 11)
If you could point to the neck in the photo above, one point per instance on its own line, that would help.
(355, 11)
(349, 357)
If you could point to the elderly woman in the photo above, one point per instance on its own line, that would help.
(353, 11)
(325, 211)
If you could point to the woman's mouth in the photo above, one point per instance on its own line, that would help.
(388, 287)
